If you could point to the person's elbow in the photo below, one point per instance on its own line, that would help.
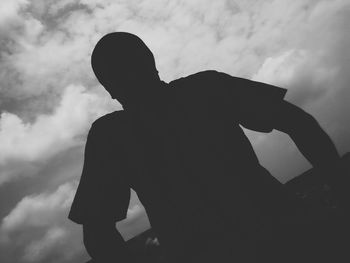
(293, 120)
(95, 235)
(91, 239)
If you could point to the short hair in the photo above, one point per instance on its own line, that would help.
(121, 53)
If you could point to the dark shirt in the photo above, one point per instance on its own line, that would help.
(193, 168)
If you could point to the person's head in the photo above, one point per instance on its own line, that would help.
(125, 66)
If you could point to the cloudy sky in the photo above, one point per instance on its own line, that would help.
(49, 96)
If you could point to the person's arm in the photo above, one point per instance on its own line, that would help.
(261, 107)
(312, 141)
(102, 198)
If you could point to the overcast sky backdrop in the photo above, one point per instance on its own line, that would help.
(49, 95)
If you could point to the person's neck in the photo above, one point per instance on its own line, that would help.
(153, 102)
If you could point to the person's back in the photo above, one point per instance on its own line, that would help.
(180, 147)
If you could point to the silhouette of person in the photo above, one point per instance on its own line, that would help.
(180, 146)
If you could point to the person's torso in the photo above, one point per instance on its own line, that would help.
(194, 170)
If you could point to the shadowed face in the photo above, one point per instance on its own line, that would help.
(125, 66)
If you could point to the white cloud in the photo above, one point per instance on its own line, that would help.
(280, 70)
(42, 64)
(38, 249)
(9, 9)
(40, 228)
(39, 210)
(50, 134)
(37, 229)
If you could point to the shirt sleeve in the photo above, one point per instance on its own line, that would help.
(252, 104)
(103, 191)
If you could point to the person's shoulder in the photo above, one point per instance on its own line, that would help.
(110, 117)
(202, 76)
(206, 80)
(108, 123)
